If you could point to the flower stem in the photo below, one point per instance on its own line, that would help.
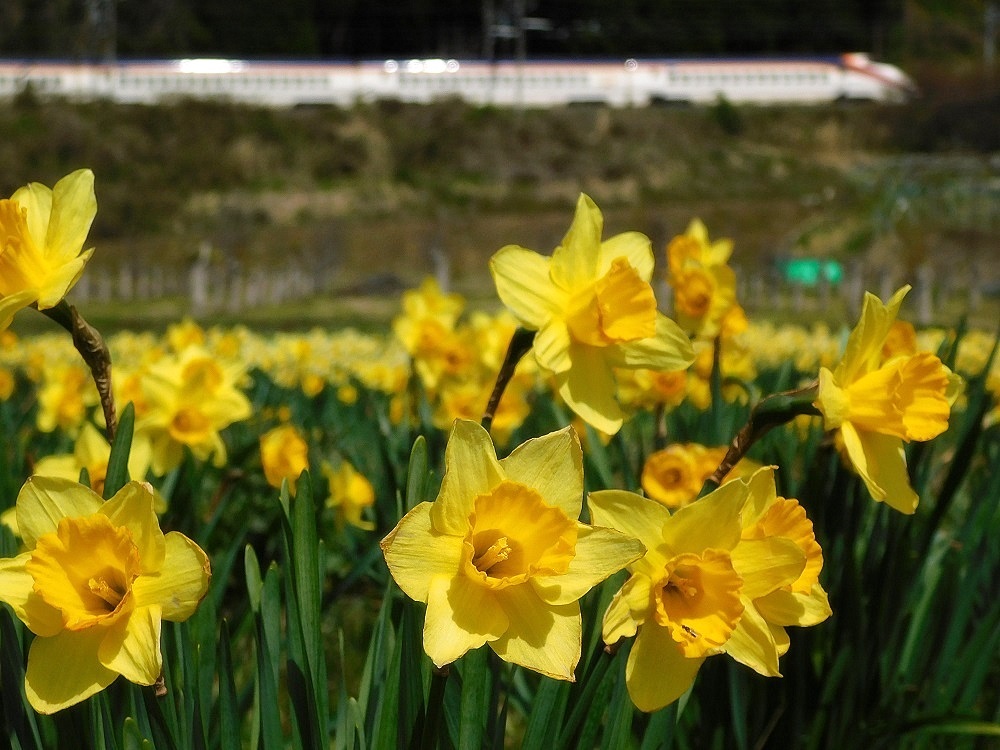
(90, 344)
(520, 344)
(770, 412)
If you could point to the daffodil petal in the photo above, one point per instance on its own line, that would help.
(600, 553)
(574, 262)
(132, 507)
(588, 388)
(635, 516)
(416, 553)
(132, 646)
(881, 464)
(43, 501)
(552, 465)
(61, 279)
(64, 670)
(523, 284)
(471, 469)
(461, 615)
(712, 522)
(752, 643)
(74, 207)
(628, 609)
(634, 247)
(14, 303)
(669, 349)
(864, 345)
(552, 347)
(36, 201)
(793, 608)
(180, 583)
(541, 637)
(767, 564)
(656, 673)
(17, 590)
(761, 494)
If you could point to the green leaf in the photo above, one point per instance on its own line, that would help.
(117, 476)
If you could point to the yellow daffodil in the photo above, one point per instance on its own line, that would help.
(65, 394)
(188, 400)
(704, 286)
(500, 557)
(593, 308)
(876, 404)
(675, 475)
(694, 247)
(284, 455)
(93, 586)
(767, 520)
(42, 231)
(350, 494)
(91, 452)
(684, 598)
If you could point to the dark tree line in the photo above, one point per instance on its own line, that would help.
(354, 29)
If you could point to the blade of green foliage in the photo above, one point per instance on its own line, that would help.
(476, 685)
(132, 738)
(117, 476)
(228, 708)
(547, 713)
(417, 474)
(19, 725)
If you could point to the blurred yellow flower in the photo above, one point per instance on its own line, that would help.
(684, 599)
(91, 452)
(284, 455)
(500, 556)
(7, 383)
(694, 247)
(350, 494)
(675, 475)
(189, 398)
(875, 404)
(42, 231)
(63, 398)
(93, 586)
(593, 309)
(704, 286)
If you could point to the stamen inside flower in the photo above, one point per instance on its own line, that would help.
(495, 553)
(514, 535)
(698, 600)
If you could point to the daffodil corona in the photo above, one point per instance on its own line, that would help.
(93, 586)
(876, 405)
(593, 308)
(500, 556)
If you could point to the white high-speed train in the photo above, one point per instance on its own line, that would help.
(632, 82)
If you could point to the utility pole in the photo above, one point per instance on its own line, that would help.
(990, 23)
(102, 30)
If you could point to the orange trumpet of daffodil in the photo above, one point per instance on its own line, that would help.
(94, 585)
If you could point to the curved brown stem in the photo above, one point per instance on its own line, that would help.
(770, 412)
(520, 344)
(89, 342)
